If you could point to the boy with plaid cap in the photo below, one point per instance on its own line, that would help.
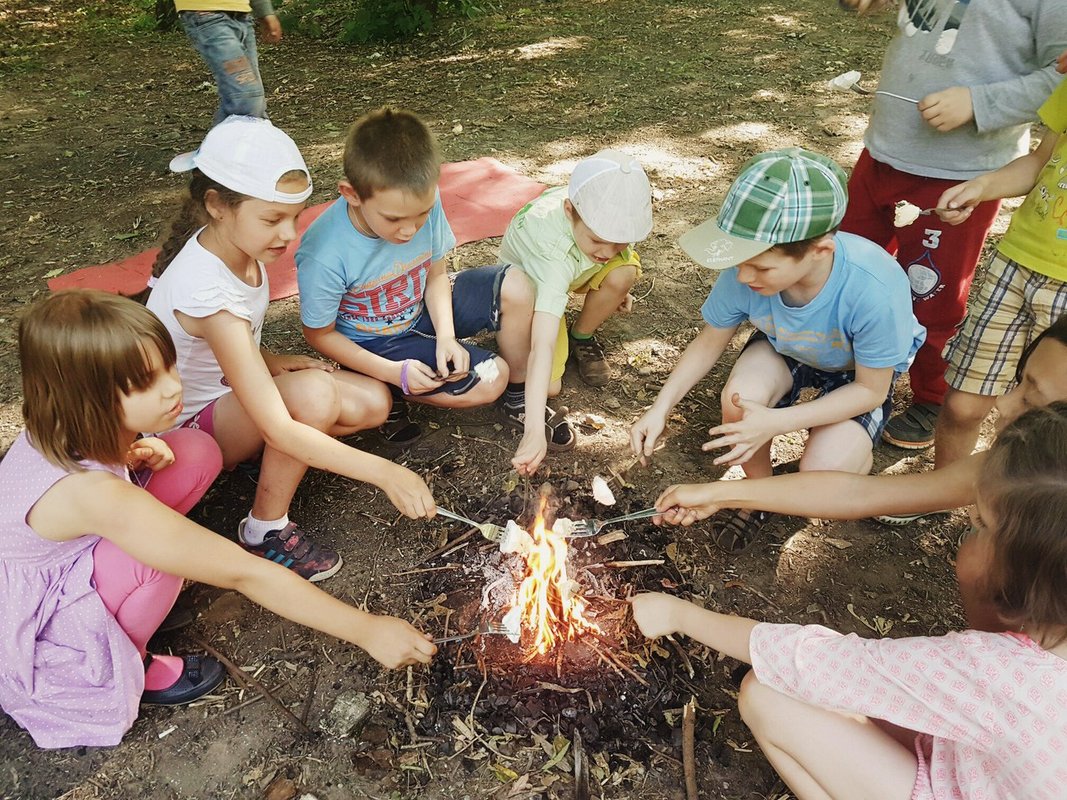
(832, 312)
(576, 238)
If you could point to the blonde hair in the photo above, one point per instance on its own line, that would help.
(80, 351)
(391, 149)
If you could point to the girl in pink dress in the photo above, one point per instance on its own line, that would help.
(92, 562)
(974, 715)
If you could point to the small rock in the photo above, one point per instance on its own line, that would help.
(612, 402)
(348, 715)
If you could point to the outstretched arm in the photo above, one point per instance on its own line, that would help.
(827, 495)
(165, 540)
(534, 445)
(699, 357)
(231, 341)
(659, 614)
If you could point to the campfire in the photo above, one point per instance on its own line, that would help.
(548, 603)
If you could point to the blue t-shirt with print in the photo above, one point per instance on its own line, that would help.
(862, 315)
(367, 286)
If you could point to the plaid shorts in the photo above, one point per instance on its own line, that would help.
(1013, 305)
(823, 382)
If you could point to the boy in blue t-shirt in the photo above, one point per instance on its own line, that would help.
(832, 311)
(375, 293)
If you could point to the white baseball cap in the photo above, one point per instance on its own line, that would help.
(611, 194)
(247, 155)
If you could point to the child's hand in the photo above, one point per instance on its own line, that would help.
(645, 433)
(450, 350)
(948, 109)
(149, 452)
(409, 493)
(655, 613)
(420, 378)
(686, 503)
(1061, 62)
(395, 643)
(744, 437)
(270, 29)
(532, 450)
(960, 200)
(280, 364)
(627, 304)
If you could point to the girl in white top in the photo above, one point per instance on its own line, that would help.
(209, 287)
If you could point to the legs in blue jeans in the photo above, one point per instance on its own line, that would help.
(227, 43)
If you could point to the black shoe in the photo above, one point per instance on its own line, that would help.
(200, 676)
(558, 432)
(398, 429)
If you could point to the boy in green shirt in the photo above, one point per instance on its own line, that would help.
(577, 238)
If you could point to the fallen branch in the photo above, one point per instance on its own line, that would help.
(248, 681)
(420, 571)
(648, 562)
(689, 766)
(460, 541)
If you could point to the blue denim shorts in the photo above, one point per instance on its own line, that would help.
(475, 308)
(807, 377)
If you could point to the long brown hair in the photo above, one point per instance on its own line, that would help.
(80, 351)
(190, 218)
(1024, 486)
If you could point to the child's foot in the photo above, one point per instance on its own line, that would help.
(914, 428)
(733, 530)
(291, 548)
(558, 431)
(592, 366)
(194, 677)
(398, 428)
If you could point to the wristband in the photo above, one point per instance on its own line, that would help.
(404, 376)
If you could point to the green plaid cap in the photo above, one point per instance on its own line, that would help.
(778, 197)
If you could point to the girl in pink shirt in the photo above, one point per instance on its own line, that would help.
(974, 715)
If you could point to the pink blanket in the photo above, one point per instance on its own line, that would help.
(480, 197)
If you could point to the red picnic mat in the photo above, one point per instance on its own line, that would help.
(480, 197)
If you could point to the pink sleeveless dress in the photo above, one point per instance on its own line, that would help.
(68, 673)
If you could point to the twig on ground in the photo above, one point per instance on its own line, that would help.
(449, 565)
(460, 541)
(248, 681)
(689, 768)
(253, 700)
(648, 562)
(306, 710)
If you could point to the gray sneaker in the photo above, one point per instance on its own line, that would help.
(914, 428)
(898, 520)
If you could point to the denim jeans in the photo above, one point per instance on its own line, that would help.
(227, 43)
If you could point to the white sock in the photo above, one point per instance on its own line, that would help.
(256, 530)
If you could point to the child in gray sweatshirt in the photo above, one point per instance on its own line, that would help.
(976, 72)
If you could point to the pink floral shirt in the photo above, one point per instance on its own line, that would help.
(990, 708)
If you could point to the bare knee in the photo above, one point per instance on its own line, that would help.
(376, 404)
(730, 411)
(753, 702)
(313, 398)
(516, 292)
(965, 409)
(555, 387)
(620, 280)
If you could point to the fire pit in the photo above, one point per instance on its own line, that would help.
(580, 669)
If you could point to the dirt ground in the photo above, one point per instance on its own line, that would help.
(91, 110)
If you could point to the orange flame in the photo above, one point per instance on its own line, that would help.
(551, 607)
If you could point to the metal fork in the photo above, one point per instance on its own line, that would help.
(860, 90)
(488, 529)
(591, 527)
(484, 629)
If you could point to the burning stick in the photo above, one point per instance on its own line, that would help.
(689, 765)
